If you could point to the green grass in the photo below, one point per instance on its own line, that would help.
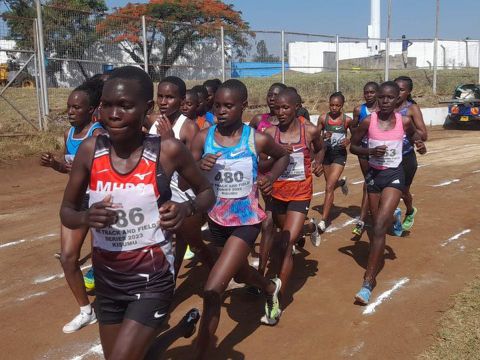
(314, 89)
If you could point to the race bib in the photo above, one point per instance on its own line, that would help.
(137, 220)
(295, 170)
(69, 158)
(232, 178)
(392, 157)
(336, 139)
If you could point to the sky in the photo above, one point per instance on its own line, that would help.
(415, 18)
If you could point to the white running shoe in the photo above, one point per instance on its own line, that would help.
(79, 321)
(322, 225)
(315, 235)
(344, 185)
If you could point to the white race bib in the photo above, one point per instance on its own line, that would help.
(295, 170)
(232, 178)
(137, 225)
(392, 157)
(336, 139)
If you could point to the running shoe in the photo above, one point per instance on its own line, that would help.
(191, 318)
(189, 254)
(57, 255)
(79, 321)
(315, 235)
(272, 306)
(358, 229)
(344, 185)
(322, 225)
(89, 280)
(409, 220)
(363, 296)
(397, 224)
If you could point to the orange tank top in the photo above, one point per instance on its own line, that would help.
(296, 181)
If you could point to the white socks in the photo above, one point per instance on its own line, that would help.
(87, 309)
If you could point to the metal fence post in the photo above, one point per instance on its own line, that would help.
(435, 50)
(41, 51)
(387, 41)
(38, 83)
(283, 56)
(337, 63)
(478, 61)
(145, 50)
(222, 40)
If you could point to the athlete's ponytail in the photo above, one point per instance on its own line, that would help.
(408, 80)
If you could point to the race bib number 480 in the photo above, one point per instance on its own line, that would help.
(137, 220)
(232, 178)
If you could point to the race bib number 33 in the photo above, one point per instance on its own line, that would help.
(137, 220)
(232, 178)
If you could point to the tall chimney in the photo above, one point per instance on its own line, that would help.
(374, 27)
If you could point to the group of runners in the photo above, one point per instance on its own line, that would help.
(149, 175)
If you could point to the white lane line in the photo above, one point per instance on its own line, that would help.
(44, 279)
(13, 243)
(335, 228)
(17, 242)
(352, 351)
(41, 293)
(456, 237)
(445, 183)
(475, 171)
(96, 349)
(319, 193)
(370, 309)
(422, 165)
(358, 182)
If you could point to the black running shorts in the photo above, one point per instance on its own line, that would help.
(220, 234)
(148, 312)
(410, 165)
(335, 156)
(377, 180)
(280, 207)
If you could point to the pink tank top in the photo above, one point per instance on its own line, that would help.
(264, 123)
(393, 139)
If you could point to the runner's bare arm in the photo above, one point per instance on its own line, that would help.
(255, 120)
(48, 160)
(265, 144)
(188, 132)
(416, 115)
(98, 215)
(204, 162)
(414, 135)
(265, 162)
(175, 156)
(356, 117)
(316, 143)
(358, 134)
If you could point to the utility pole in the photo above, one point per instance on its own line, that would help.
(387, 42)
(435, 49)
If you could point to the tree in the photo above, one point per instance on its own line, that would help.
(68, 34)
(263, 55)
(175, 28)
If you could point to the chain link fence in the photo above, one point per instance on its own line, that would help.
(80, 44)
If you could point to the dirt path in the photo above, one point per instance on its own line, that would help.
(421, 271)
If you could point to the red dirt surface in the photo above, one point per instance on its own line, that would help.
(321, 322)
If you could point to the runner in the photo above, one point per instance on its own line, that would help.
(261, 122)
(385, 180)
(408, 107)
(334, 125)
(359, 114)
(190, 105)
(202, 95)
(171, 93)
(228, 153)
(292, 192)
(211, 86)
(131, 216)
(81, 105)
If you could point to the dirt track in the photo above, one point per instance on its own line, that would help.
(422, 269)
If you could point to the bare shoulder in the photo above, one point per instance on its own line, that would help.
(311, 129)
(255, 121)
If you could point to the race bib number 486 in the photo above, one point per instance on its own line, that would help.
(137, 220)
(232, 178)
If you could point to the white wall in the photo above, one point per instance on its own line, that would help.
(307, 57)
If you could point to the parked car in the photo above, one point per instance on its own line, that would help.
(464, 108)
